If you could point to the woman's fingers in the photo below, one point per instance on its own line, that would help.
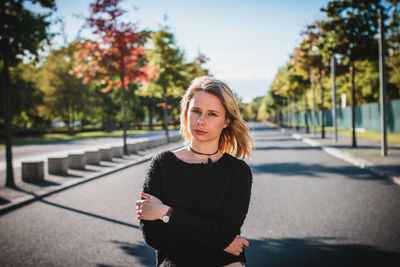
(145, 195)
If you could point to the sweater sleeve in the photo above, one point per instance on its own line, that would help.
(217, 233)
(154, 231)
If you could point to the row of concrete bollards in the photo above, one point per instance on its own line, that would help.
(34, 171)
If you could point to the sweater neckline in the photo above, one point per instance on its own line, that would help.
(198, 163)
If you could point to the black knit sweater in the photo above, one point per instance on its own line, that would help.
(210, 203)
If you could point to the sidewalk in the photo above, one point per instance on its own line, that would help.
(24, 193)
(366, 155)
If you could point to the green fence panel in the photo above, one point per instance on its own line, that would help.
(367, 117)
(393, 119)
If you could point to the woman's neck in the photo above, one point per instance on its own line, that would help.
(204, 148)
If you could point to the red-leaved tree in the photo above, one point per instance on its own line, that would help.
(116, 58)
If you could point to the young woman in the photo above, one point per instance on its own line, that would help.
(195, 199)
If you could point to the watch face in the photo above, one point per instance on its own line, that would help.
(165, 218)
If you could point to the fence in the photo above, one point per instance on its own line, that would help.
(367, 117)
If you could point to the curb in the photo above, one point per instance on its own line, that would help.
(32, 197)
(361, 163)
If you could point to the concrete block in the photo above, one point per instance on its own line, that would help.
(57, 165)
(162, 141)
(92, 157)
(132, 148)
(156, 142)
(33, 171)
(117, 151)
(106, 154)
(152, 143)
(145, 144)
(77, 161)
(139, 146)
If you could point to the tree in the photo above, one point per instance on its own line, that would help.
(21, 34)
(315, 62)
(116, 59)
(66, 95)
(350, 31)
(393, 42)
(27, 98)
(170, 80)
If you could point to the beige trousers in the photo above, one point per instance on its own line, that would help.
(235, 264)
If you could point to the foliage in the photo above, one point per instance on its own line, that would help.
(22, 32)
(27, 98)
(350, 29)
(116, 58)
(168, 59)
(66, 95)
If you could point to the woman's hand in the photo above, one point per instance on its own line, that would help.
(236, 247)
(151, 208)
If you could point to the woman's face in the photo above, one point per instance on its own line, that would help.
(206, 116)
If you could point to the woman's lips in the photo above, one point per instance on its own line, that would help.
(200, 132)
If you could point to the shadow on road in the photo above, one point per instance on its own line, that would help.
(89, 214)
(68, 175)
(273, 139)
(263, 128)
(145, 254)
(3, 201)
(295, 169)
(42, 183)
(287, 148)
(313, 252)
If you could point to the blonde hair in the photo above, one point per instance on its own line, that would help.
(236, 135)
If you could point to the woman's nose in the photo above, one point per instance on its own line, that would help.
(200, 119)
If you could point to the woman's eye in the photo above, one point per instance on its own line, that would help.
(212, 114)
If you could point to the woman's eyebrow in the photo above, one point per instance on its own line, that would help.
(208, 110)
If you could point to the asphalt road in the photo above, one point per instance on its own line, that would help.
(307, 209)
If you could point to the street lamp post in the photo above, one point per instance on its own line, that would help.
(333, 70)
(382, 84)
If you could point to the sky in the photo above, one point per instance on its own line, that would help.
(246, 41)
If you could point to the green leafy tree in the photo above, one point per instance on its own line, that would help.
(22, 33)
(27, 98)
(350, 31)
(170, 80)
(66, 95)
(393, 42)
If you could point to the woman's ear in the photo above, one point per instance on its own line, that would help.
(226, 123)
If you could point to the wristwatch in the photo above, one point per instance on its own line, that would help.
(165, 218)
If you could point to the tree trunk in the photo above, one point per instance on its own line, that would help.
(322, 106)
(165, 115)
(305, 114)
(151, 113)
(123, 109)
(7, 120)
(68, 122)
(313, 104)
(72, 120)
(294, 112)
(353, 106)
(288, 112)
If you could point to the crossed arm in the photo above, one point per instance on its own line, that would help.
(218, 233)
(152, 209)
